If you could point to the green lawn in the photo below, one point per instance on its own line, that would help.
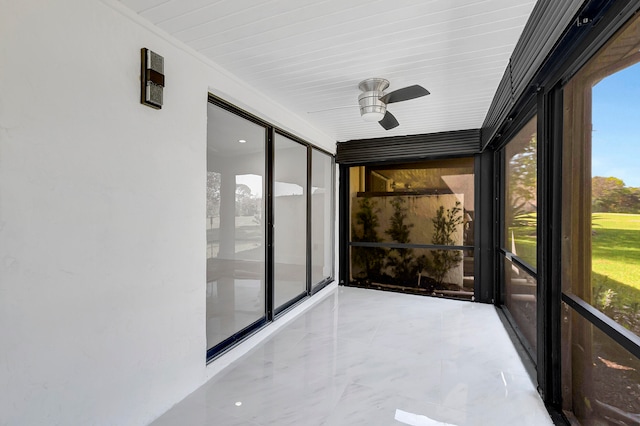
(524, 235)
(615, 248)
(615, 251)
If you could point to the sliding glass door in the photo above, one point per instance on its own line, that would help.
(236, 173)
(289, 220)
(519, 230)
(322, 216)
(269, 223)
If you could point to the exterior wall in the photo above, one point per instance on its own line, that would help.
(102, 214)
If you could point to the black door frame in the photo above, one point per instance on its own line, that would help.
(274, 312)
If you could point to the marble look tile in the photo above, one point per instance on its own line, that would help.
(359, 356)
(199, 413)
(363, 405)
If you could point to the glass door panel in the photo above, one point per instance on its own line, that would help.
(235, 224)
(521, 195)
(290, 220)
(321, 217)
(519, 232)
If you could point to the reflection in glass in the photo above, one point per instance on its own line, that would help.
(605, 377)
(429, 203)
(235, 230)
(520, 299)
(414, 270)
(290, 219)
(520, 197)
(425, 188)
(321, 216)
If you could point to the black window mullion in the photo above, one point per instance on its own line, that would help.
(549, 233)
(343, 225)
(543, 238)
(269, 230)
(625, 338)
(499, 207)
(484, 252)
(309, 219)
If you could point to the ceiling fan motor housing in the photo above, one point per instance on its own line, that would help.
(371, 107)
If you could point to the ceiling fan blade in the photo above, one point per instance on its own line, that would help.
(404, 94)
(389, 121)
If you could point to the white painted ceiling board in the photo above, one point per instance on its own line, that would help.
(310, 55)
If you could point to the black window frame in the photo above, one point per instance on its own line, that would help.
(590, 28)
(272, 313)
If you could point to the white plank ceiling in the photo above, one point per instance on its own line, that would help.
(310, 55)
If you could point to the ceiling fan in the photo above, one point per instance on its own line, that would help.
(373, 100)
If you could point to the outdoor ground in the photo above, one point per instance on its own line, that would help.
(615, 246)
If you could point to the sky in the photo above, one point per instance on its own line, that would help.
(616, 126)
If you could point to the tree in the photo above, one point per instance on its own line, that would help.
(610, 194)
(402, 261)
(445, 226)
(213, 194)
(246, 203)
(523, 182)
(370, 258)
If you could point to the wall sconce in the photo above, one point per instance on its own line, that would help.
(151, 78)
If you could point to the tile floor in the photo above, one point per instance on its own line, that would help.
(365, 357)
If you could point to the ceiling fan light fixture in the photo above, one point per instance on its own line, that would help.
(372, 116)
(371, 108)
(373, 100)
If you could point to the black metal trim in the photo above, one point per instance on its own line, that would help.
(551, 123)
(572, 47)
(510, 128)
(409, 290)
(606, 18)
(288, 305)
(557, 415)
(362, 152)
(409, 245)
(213, 99)
(217, 101)
(543, 239)
(269, 288)
(625, 338)
(484, 253)
(334, 194)
(309, 220)
(531, 353)
(343, 224)
(232, 341)
(498, 227)
(547, 24)
(322, 284)
(519, 263)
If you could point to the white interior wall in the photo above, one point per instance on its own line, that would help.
(102, 214)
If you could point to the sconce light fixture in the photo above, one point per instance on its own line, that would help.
(151, 78)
